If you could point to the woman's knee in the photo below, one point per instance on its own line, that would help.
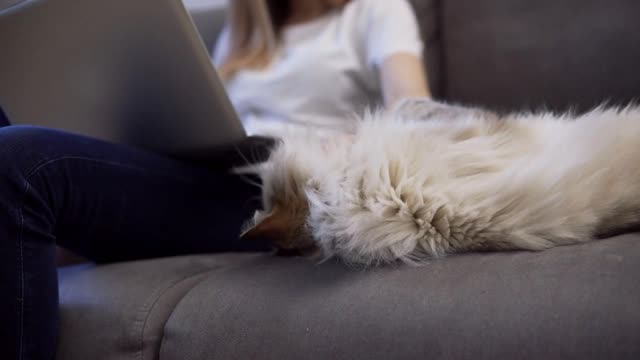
(23, 148)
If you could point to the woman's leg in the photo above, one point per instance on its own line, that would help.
(106, 202)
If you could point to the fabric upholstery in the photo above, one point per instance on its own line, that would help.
(569, 302)
(427, 12)
(523, 54)
(118, 311)
(577, 302)
(209, 20)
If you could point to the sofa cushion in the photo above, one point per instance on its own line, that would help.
(118, 311)
(209, 17)
(579, 302)
(427, 14)
(510, 54)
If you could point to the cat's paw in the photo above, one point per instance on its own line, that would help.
(426, 109)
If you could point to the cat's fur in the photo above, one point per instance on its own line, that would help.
(428, 179)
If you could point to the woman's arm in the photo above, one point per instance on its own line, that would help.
(402, 76)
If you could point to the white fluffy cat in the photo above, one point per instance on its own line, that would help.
(429, 179)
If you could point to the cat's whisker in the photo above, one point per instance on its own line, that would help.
(248, 180)
(244, 158)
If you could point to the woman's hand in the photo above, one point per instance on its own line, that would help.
(403, 76)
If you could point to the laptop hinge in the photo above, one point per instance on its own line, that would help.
(4, 121)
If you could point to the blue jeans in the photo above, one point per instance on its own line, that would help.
(106, 202)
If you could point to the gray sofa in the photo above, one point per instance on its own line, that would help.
(576, 302)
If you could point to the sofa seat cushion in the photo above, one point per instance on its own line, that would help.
(580, 302)
(119, 311)
(570, 302)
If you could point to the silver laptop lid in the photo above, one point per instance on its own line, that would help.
(128, 71)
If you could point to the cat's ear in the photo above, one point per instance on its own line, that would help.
(272, 227)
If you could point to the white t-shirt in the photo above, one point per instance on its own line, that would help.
(325, 71)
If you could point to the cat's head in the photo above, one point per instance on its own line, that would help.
(288, 178)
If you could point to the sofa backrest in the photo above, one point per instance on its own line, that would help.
(515, 54)
(520, 54)
(209, 17)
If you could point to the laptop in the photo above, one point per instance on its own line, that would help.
(134, 72)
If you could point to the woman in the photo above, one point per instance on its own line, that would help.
(318, 62)
(112, 203)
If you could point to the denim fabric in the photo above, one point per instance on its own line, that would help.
(104, 201)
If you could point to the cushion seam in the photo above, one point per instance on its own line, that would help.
(147, 313)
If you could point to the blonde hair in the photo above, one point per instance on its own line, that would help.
(255, 31)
